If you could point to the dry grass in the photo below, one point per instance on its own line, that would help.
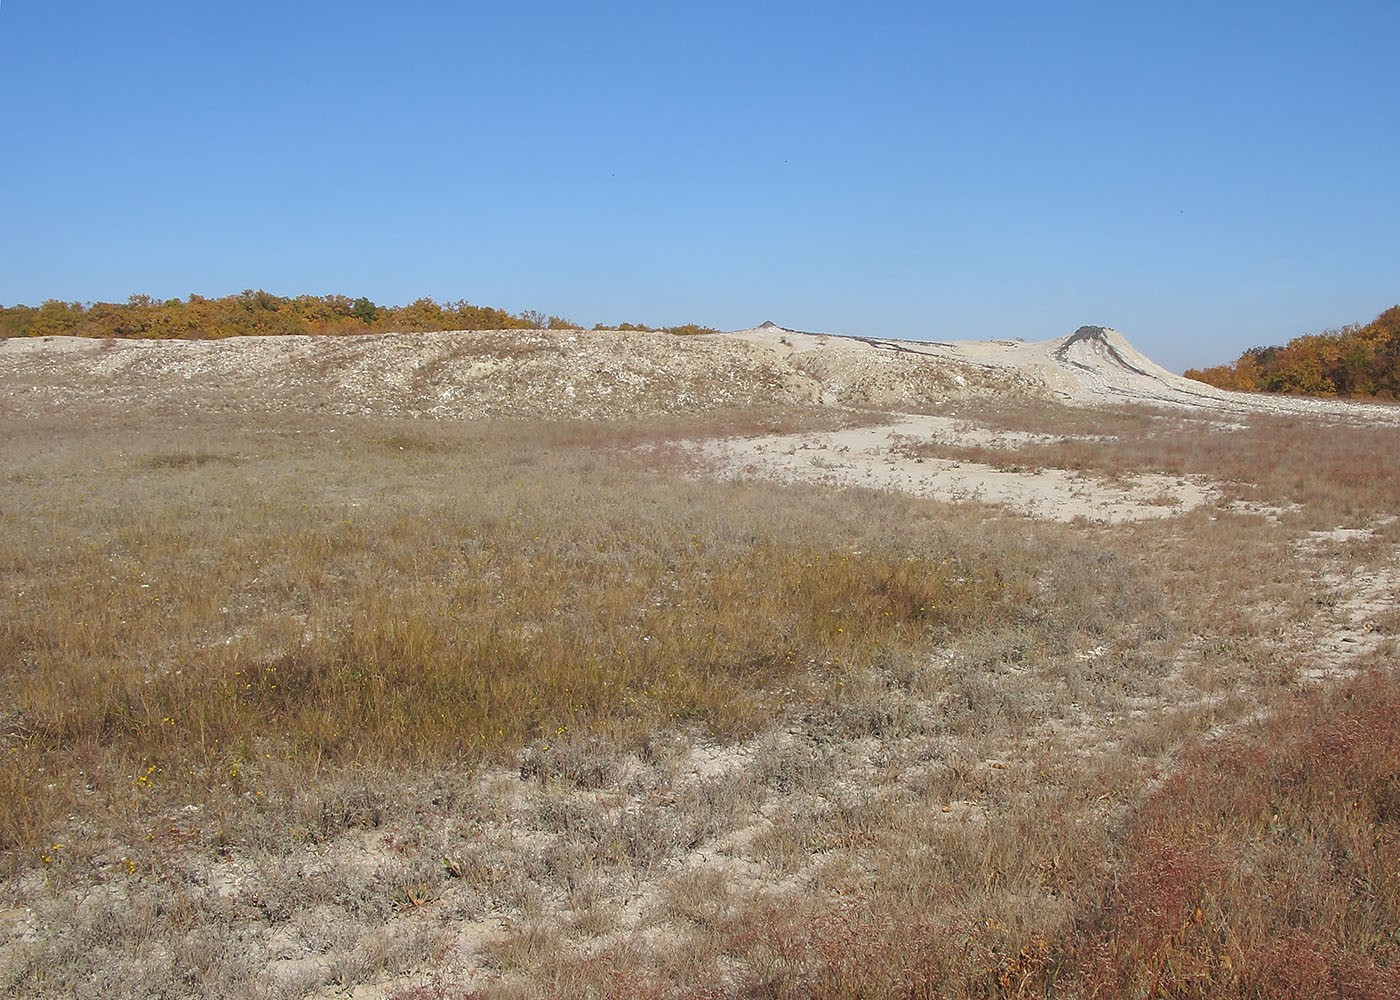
(1267, 865)
(1344, 472)
(1033, 416)
(178, 628)
(440, 709)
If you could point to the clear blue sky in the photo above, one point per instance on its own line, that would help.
(1201, 176)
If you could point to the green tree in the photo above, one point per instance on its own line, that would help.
(365, 311)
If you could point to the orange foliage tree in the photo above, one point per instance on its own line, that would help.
(255, 313)
(1355, 361)
(260, 313)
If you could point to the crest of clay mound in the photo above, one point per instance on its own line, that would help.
(1094, 364)
(1106, 364)
(605, 373)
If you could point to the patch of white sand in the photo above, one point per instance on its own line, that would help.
(875, 457)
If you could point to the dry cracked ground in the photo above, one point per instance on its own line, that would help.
(611, 664)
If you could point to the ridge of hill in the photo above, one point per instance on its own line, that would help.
(594, 374)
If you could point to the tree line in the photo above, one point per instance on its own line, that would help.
(259, 313)
(1355, 361)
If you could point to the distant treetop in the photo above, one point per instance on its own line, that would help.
(1356, 361)
(260, 313)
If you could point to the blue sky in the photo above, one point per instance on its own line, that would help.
(1203, 177)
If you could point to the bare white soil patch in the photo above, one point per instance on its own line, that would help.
(873, 457)
(1358, 595)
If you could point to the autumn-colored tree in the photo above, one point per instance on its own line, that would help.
(690, 330)
(1355, 361)
(254, 312)
(54, 317)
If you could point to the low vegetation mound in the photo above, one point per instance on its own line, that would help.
(1358, 361)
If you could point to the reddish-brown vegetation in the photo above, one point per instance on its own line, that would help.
(1268, 866)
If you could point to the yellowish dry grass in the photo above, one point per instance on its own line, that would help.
(440, 708)
(374, 595)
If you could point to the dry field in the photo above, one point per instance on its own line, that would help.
(308, 698)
